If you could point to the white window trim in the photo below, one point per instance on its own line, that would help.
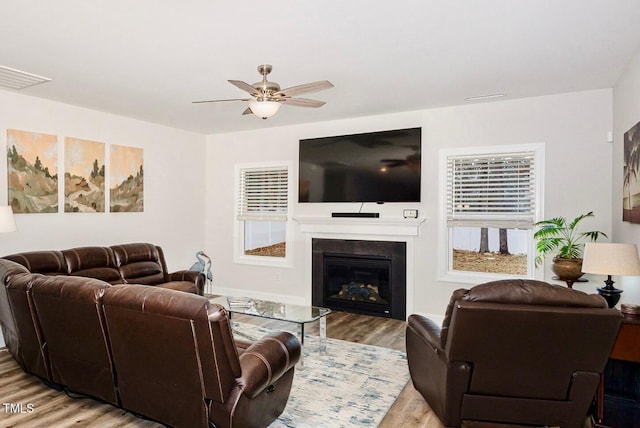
(444, 235)
(238, 232)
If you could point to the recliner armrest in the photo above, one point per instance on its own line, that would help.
(428, 330)
(266, 360)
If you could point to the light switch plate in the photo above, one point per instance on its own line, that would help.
(410, 213)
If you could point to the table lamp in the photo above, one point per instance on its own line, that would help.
(611, 259)
(7, 222)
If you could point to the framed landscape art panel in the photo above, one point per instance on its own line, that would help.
(32, 169)
(84, 176)
(126, 179)
(631, 169)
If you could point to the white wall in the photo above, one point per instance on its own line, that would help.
(174, 183)
(626, 113)
(578, 178)
(185, 178)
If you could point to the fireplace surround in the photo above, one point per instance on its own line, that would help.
(360, 276)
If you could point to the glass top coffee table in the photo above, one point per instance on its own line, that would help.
(298, 314)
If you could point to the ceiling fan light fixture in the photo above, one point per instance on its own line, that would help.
(264, 109)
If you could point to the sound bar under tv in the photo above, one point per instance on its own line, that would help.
(358, 215)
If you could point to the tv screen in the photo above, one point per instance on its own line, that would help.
(373, 167)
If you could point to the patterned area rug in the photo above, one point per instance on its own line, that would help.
(348, 385)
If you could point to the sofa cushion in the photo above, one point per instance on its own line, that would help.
(44, 262)
(140, 263)
(92, 262)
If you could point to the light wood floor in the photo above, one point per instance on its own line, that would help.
(54, 409)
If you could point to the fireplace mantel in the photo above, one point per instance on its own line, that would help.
(361, 226)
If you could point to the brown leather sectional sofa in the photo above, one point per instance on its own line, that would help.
(153, 350)
(136, 263)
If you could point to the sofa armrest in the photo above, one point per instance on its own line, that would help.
(266, 360)
(441, 382)
(197, 278)
(426, 329)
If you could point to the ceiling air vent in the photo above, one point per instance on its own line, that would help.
(15, 79)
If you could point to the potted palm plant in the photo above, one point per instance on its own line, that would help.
(562, 238)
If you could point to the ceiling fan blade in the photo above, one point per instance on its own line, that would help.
(247, 111)
(302, 102)
(245, 87)
(305, 88)
(221, 101)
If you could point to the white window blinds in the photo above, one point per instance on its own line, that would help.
(263, 194)
(491, 190)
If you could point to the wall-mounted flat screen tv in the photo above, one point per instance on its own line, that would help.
(372, 167)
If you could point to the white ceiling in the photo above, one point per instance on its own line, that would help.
(149, 59)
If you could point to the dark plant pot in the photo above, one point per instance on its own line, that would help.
(567, 269)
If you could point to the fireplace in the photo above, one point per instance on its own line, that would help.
(359, 276)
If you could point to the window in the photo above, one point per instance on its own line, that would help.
(491, 198)
(262, 214)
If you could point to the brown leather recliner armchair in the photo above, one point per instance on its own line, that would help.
(513, 351)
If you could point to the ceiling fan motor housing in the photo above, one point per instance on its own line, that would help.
(266, 88)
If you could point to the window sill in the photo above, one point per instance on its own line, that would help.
(476, 277)
(264, 261)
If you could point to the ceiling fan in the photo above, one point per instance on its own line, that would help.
(267, 96)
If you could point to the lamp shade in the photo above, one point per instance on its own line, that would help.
(264, 109)
(7, 222)
(611, 259)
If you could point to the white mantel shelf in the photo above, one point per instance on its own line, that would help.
(361, 226)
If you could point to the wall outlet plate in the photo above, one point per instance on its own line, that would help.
(410, 213)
